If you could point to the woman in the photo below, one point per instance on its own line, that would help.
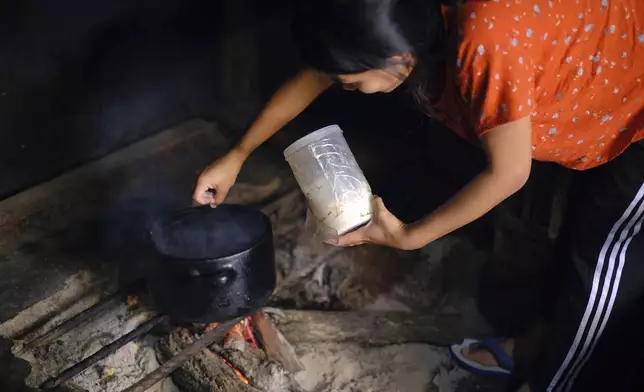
(557, 80)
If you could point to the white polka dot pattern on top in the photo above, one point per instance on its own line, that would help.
(573, 66)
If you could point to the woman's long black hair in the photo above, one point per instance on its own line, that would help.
(352, 36)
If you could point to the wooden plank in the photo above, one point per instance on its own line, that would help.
(69, 225)
(60, 228)
(39, 197)
(79, 192)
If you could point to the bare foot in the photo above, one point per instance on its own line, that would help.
(484, 357)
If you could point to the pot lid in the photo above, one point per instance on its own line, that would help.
(209, 233)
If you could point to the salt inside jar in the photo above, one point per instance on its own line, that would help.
(337, 192)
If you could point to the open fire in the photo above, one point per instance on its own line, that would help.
(242, 330)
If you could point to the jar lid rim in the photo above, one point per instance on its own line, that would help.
(311, 137)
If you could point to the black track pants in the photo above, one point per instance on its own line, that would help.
(595, 322)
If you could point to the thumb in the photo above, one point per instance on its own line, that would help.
(218, 195)
(353, 238)
(377, 203)
(205, 193)
(377, 207)
(200, 194)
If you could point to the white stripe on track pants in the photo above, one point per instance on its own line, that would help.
(602, 250)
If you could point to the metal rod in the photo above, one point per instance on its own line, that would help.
(103, 352)
(185, 355)
(76, 321)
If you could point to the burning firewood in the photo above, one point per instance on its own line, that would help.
(239, 361)
(262, 373)
(206, 372)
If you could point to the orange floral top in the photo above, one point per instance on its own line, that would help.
(575, 66)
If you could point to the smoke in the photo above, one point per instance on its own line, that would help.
(128, 224)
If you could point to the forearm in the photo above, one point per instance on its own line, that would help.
(286, 104)
(473, 201)
(509, 155)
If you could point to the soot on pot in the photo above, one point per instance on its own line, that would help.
(205, 233)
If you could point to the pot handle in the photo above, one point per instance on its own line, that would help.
(222, 277)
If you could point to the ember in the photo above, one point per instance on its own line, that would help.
(248, 334)
(132, 300)
(210, 327)
(238, 329)
(236, 371)
(243, 329)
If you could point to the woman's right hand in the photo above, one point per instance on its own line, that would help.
(289, 101)
(217, 179)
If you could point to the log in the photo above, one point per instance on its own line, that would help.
(372, 328)
(263, 373)
(275, 344)
(206, 372)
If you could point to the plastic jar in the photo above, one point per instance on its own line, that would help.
(338, 194)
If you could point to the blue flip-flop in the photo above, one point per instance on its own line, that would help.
(505, 363)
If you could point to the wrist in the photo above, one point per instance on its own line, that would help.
(415, 235)
(404, 238)
(241, 151)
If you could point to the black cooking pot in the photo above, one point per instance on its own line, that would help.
(212, 264)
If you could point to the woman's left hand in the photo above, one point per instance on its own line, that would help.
(384, 229)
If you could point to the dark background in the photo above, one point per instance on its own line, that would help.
(79, 79)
